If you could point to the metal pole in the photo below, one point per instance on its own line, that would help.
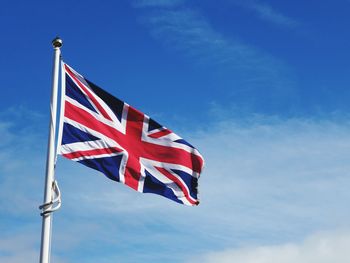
(50, 161)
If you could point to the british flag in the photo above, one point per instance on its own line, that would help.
(106, 134)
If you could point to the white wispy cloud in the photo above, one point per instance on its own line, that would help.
(188, 32)
(268, 13)
(17, 248)
(23, 247)
(326, 247)
(22, 154)
(272, 178)
(157, 3)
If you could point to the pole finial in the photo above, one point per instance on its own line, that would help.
(57, 42)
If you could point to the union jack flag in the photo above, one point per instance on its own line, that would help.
(108, 135)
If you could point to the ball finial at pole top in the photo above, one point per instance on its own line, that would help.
(57, 42)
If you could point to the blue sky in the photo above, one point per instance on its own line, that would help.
(260, 87)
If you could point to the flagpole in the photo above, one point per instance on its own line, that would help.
(50, 161)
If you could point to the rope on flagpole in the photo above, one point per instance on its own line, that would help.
(56, 201)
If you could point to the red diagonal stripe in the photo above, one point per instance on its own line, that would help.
(83, 117)
(159, 134)
(179, 184)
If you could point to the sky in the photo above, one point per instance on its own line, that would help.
(260, 87)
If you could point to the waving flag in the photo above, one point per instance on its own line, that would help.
(106, 134)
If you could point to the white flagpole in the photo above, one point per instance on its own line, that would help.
(50, 161)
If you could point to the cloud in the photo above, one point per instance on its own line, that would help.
(268, 13)
(274, 178)
(19, 248)
(318, 248)
(188, 32)
(21, 159)
(157, 3)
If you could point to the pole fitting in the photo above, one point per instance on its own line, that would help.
(57, 42)
(47, 208)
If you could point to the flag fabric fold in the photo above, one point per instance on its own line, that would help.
(108, 135)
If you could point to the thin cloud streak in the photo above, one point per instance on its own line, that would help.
(188, 32)
(22, 156)
(268, 13)
(270, 176)
(325, 247)
(23, 247)
(157, 3)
